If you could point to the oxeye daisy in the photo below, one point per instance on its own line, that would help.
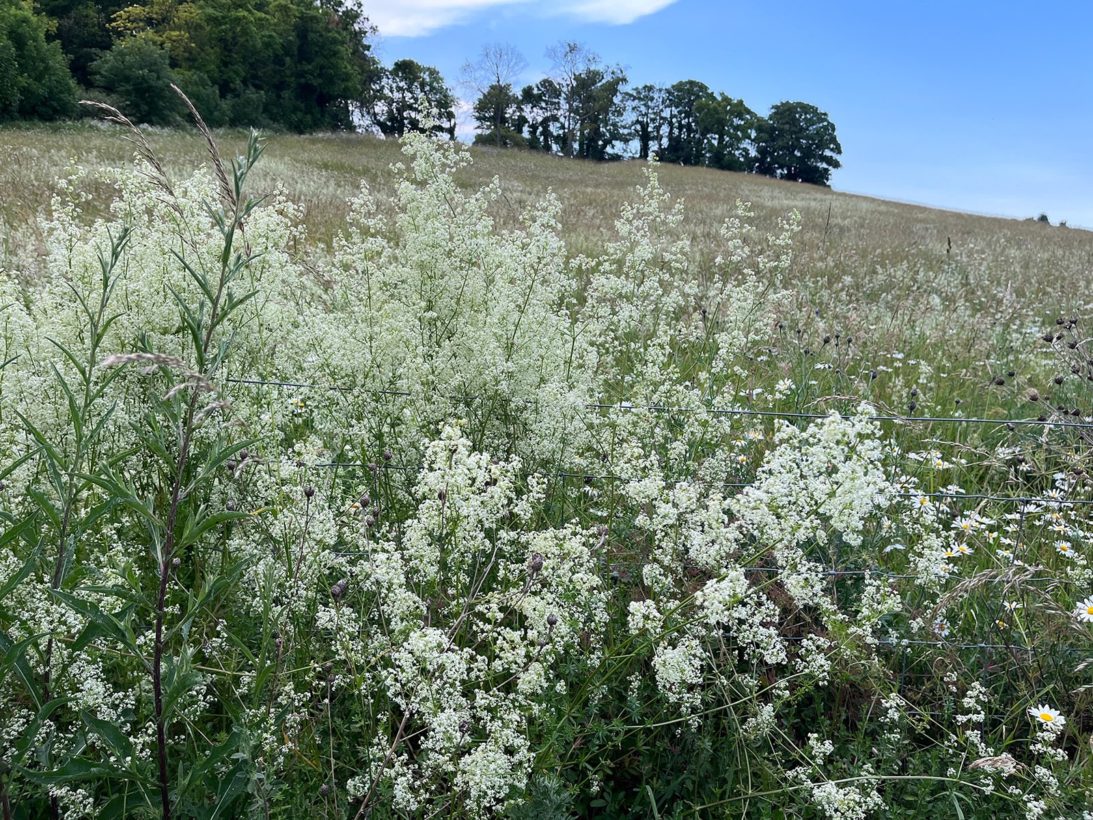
(1047, 716)
(1064, 549)
(964, 549)
(1084, 612)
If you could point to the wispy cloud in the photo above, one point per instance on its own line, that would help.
(417, 18)
(619, 12)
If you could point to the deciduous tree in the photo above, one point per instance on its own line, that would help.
(797, 141)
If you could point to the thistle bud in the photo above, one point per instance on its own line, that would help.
(387, 455)
(552, 620)
(338, 590)
(309, 491)
(535, 563)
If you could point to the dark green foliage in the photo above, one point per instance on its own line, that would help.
(295, 64)
(685, 141)
(34, 80)
(797, 142)
(83, 31)
(409, 95)
(728, 127)
(137, 73)
(539, 115)
(646, 119)
(495, 113)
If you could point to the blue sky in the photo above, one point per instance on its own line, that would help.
(976, 106)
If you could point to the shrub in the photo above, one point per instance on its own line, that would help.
(137, 73)
(34, 79)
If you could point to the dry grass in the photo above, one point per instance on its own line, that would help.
(323, 171)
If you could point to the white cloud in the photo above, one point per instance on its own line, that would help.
(417, 18)
(464, 121)
(619, 12)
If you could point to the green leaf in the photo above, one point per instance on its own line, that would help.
(11, 534)
(179, 678)
(193, 532)
(24, 742)
(114, 738)
(109, 624)
(45, 505)
(14, 659)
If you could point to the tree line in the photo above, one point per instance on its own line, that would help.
(302, 65)
(585, 109)
(307, 65)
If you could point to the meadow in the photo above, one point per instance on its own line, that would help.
(341, 477)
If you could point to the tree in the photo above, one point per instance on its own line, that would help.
(728, 127)
(82, 27)
(495, 114)
(570, 60)
(137, 73)
(645, 119)
(34, 79)
(491, 79)
(685, 140)
(302, 64)
(409, 94)
(589, 104)
(539, 115)
(797, 141)
(599, 110)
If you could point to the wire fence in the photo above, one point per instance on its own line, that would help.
(563, 473)
(1026, 500)
(1031, 503)
(623, 405)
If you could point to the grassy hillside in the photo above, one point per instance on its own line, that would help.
(323, 172)
(898, 278)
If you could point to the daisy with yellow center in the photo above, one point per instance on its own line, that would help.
(1047, 716)
(964, 549)
(1063, 548)
(1084, 612)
